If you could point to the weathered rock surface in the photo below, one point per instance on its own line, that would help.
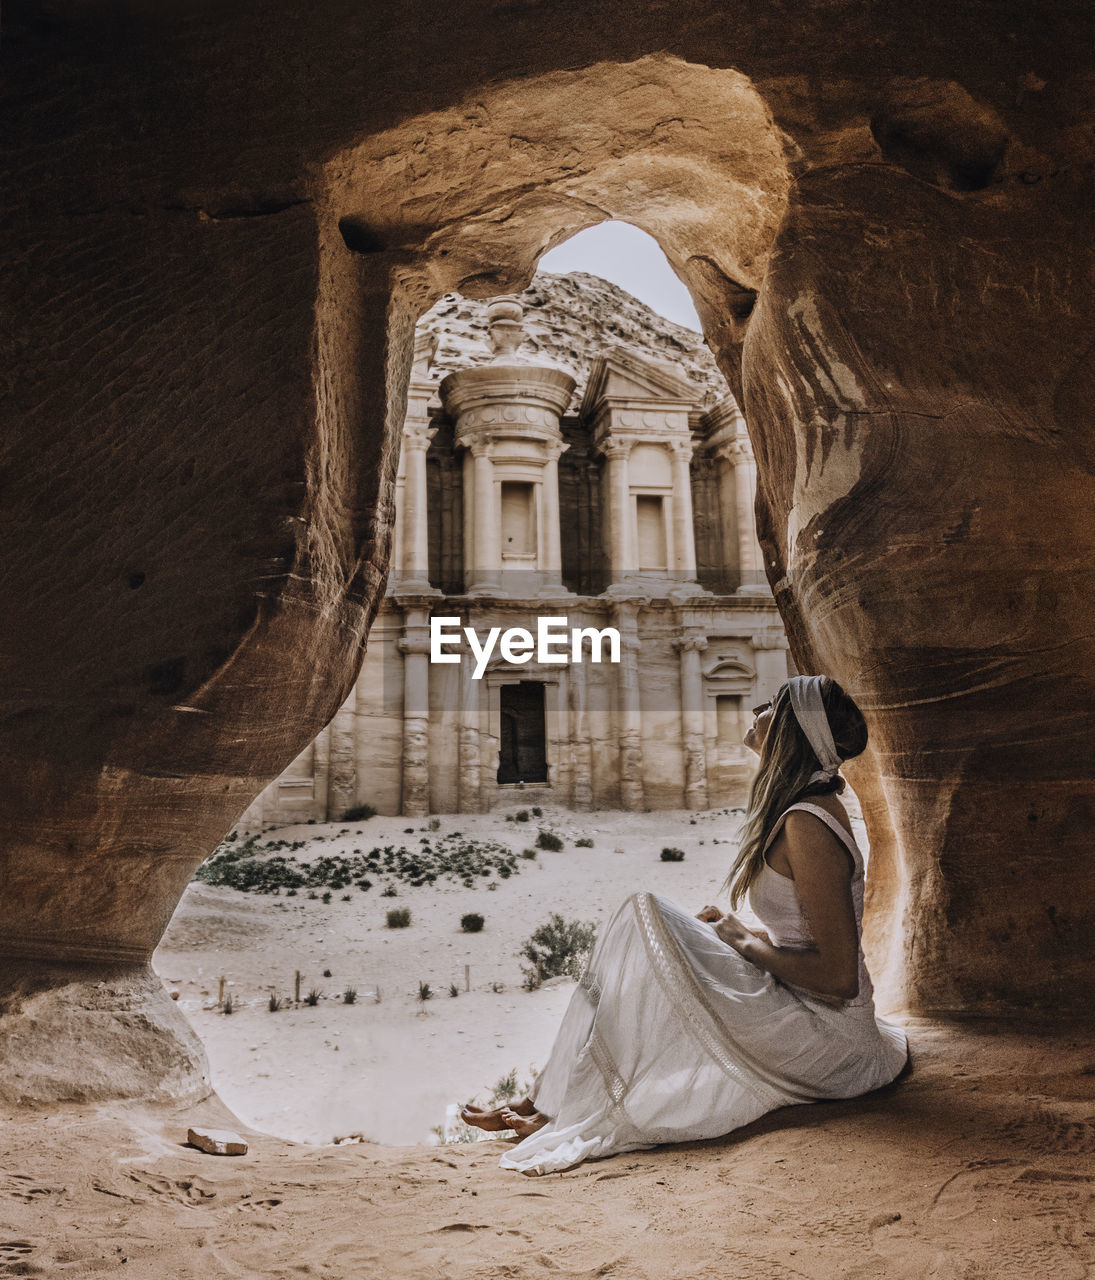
(220, 226)
(569, 320)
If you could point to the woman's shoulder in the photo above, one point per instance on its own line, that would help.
(804, 821)
(830, 804)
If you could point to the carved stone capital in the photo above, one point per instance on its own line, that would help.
(734, 451)
(690, 643)
(615, 449)
(417, 435)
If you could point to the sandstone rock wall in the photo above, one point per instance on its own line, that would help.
(220, 225)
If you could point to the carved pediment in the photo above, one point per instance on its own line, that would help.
(621, 376)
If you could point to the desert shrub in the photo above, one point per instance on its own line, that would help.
(472, 922)
(537, 813)
(313, 997)
(556, 949)
(549, 840)
(424, 992)
(454, 990)
(226, 1005)
(434, 824)
(359, 813)
(262, 868)
(399, 917)
(528, 854)
(521, 815)
(672, 855)
(584, 843)
(275, 1003)
(505, 1088)
(325, 897)
(349, 996)
(327, 973)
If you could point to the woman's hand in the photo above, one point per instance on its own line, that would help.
(731, 931)
(735, 934)
(709, 915)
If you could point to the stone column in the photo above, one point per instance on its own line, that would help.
(560, 750)
(486, 557)
(395, 561)
(321, 764)
(552, 575)
(342, 775)
(415, 647)
(684, 535)
(414, 542)
(630, 726)
(745, 484)
(729, 525)
(468, 751)
(582, 749)
(690, 645)
(618, 479)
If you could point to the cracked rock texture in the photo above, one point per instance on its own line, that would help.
(220, 225)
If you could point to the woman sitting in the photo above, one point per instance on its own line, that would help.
(686, 1027)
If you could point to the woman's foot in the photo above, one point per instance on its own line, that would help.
(492, 1120)
(523, 1124)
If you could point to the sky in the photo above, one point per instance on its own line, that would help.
(630, 258)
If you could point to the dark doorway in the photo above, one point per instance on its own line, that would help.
(523, 753)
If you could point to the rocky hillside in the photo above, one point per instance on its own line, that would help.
(570, 320)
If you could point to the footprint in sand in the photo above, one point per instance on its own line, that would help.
(14, 1255)
(191, 1192)
(19, 1186)
(247, 1205)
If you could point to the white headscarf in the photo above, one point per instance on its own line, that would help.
(809, 711)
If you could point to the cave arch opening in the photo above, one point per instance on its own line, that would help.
(469, 201)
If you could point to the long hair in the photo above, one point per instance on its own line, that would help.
(783, 776)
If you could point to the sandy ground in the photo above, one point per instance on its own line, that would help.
(393, 1070)
(978, 1165)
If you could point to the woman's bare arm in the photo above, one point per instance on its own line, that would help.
(823, 878)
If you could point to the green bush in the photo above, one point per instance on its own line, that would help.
(252, 867)
(584, 843)
(528, 854)
(472, 922)
(359, 813)
(672, 855)
(556, 949)
(548, 840)
(399, 917)
(521, 815)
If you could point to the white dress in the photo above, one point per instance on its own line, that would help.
(672, 1036)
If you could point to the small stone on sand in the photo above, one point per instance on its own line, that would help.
(217, 1142)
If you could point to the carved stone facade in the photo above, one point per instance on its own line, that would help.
(633, 511)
